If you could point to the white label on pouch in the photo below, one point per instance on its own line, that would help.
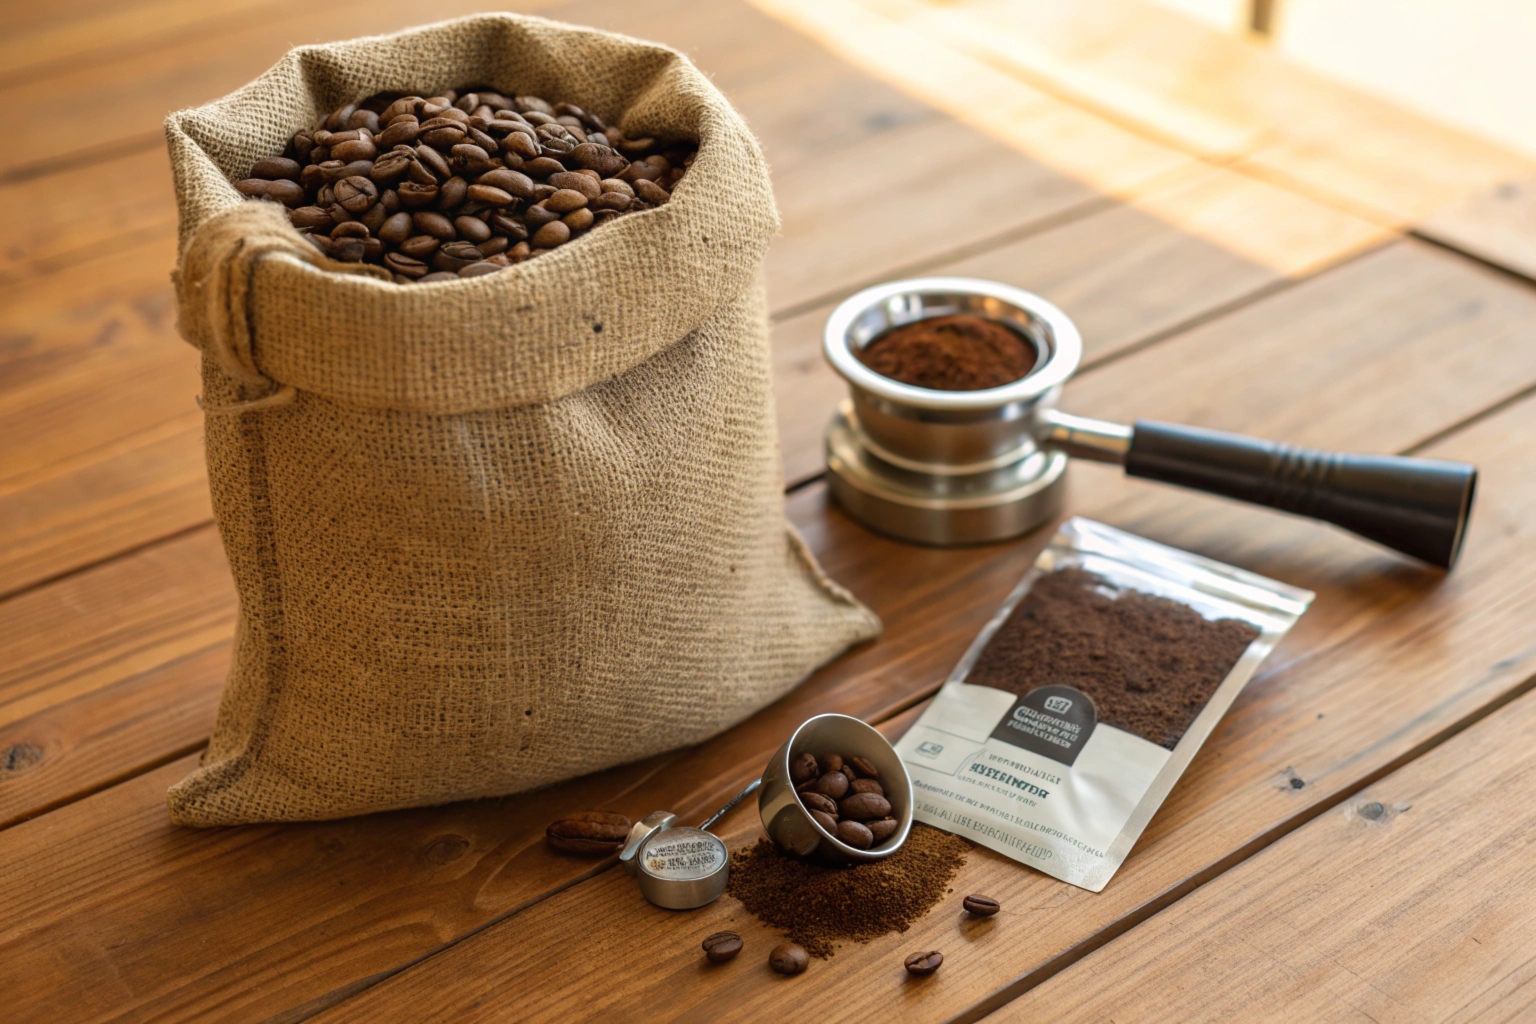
(968, 780)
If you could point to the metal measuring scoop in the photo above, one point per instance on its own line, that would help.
(961, 467)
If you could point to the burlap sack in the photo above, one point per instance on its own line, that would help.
(492, 533)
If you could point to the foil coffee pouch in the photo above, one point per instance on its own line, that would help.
(1078, 706)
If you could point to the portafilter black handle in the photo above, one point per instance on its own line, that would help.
(1417, 506)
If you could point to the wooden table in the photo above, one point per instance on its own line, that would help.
(1244, 246)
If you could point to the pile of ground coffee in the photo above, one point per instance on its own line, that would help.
(951, 353)
(1149, 664)
(818, 906)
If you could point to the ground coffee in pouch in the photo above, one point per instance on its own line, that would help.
(1083, 700)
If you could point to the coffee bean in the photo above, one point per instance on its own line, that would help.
(867, 786)
(309, 217)
(400, 132)
(722, 946)
(543, 167)
(826, 821)
(434, 224)
(350, 229)
(400, 263)
(590, 833)
(808, 786)
(981, 906)
(356, 194)
(803, 767)
(357, 149)
(396, 229)
(479, 269)
(274, 168)
(490, 195)
(433, 161)
(256, 188)
(583, 183)
(438, 275)
(442, 132)
(347, 250)
(565, 200)
(521, 144)
(623, 188)
(513, 229)
(855, 834)
(419, 246)
(552, 234)
(924, 964)
(616, 201)
(788, 958)
(537, 215)
(831, 763)
(413, 195)
(865, 807)
(865, 767)
(882, 829)
(578, 220)
(493, 246)
(390, 168)
(453, 193)
(651, 192)
(818, 802)
(543, 191)
(469, 160)
(519, 252)
(833, 784)
(472, 229)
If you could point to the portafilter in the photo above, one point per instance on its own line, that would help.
(965, 467)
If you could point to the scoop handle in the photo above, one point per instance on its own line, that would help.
(1417, 506)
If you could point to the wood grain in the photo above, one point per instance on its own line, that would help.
(1405, 903)
(932, 601)
(1304, 735)
(1498, 226)
(1203, 91)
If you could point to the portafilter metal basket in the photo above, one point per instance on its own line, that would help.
(964, 467)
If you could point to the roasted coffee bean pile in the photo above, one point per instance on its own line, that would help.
(463, 183)
(845, 797)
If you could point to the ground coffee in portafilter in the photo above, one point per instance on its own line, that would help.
(818, 906)
(1149, 663)
(463, 183)
(951, 353)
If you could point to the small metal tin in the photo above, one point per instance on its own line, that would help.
(785, 818)
(681, 868)
(656, 821)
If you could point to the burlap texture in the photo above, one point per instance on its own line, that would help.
(491, 533)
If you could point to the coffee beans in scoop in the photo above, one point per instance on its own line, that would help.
(845, 797)
(464, 183)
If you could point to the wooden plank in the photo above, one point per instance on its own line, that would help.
(1183, 84)
(1498, 226)
(1408, 902)
(932, 601)
(1304, 734)
(1125, 274)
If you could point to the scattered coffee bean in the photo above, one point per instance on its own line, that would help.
(981, 906)
(490, 170)
(924, 964)
(788, 958)
(722, 946)
(589, 833)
